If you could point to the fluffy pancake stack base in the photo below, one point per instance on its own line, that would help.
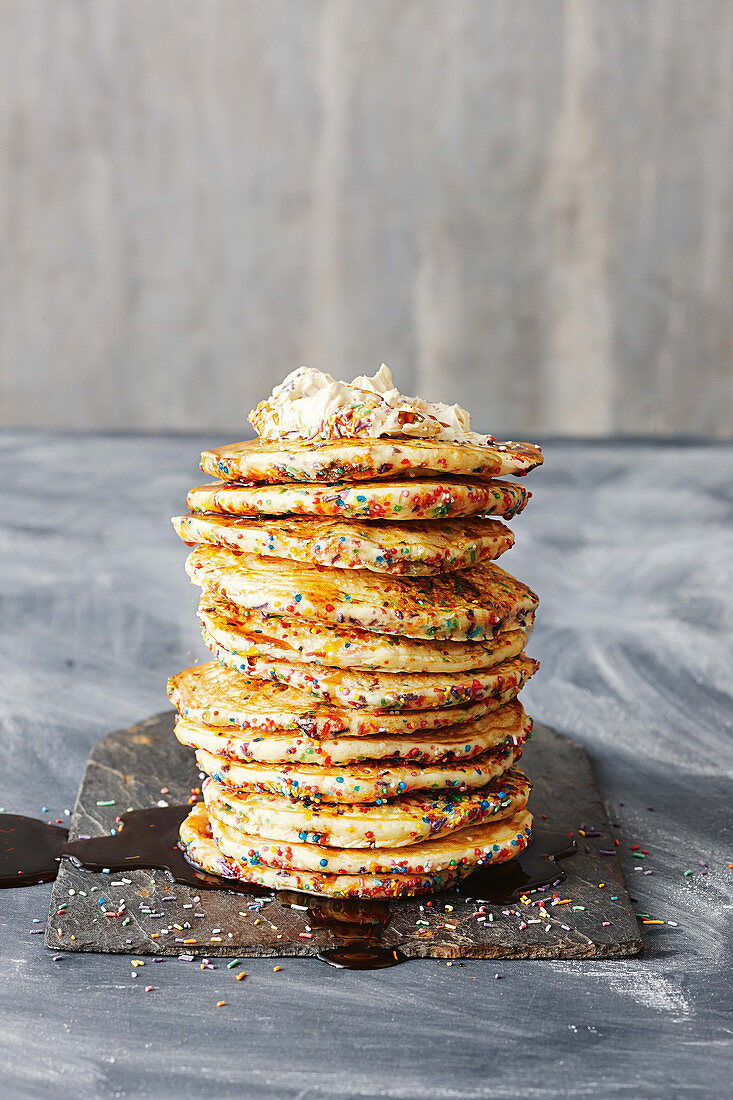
(360, 725)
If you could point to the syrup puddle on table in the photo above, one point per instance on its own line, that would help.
(31, 850)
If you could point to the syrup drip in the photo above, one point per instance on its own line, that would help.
(358, 925)
(30, 852)
(533, 870)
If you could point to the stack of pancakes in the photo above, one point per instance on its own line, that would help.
(360, 724)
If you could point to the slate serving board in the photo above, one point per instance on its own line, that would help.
(160, 917)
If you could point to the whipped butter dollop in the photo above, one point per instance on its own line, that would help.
(311, 405)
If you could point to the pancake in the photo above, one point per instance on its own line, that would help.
(465, 605)
(414, 549)
(406, 820)
(214, 696)
(464, 848)
(367, 782)
(366, 458)
(418, 499)
(202, 850)
(454, 744)
(251, 634)
(383, 690)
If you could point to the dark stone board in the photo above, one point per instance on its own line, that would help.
(134, 767)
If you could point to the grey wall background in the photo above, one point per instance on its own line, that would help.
(523, 205)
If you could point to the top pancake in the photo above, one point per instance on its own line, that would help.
(364, 459)
(410, 499)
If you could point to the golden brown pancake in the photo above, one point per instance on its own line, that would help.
(366, 782)
(406, 549)
(228, 701)
(478, 844)
(213, 856)
(456, 743)
(346, 687)
(366, 458)
(405, 820)
(251, 634)
(465, 605)
(407, 500)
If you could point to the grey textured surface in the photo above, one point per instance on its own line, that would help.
(130, 768)
(531, 199)
(631, 549)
